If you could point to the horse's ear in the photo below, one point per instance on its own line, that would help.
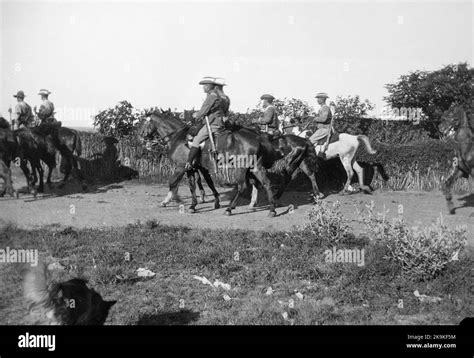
(161, 110)
(169, 110)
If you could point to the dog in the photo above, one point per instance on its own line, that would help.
(64, 303)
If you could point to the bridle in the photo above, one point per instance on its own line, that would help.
(164, 140)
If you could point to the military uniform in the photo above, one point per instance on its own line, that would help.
(24, 114)
(269, 123)
(46, 112)
(215, 107)
(321, 124)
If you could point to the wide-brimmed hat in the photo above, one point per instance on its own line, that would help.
(208, 81)
(219, 81)
(267, 97)
(19, 94)
(321, 95)
(44, 92)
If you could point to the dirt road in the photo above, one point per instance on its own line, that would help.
(129, 201)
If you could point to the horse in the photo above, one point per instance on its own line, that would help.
(345, 147)
(240, 143)
(40, 144)
(463, 162)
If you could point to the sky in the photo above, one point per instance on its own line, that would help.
(91, 55)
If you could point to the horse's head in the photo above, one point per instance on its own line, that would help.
(452, 120)
(146, 128)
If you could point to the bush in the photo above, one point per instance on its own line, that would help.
(421, 253)
(325, 223)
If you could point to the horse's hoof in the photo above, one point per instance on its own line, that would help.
(451, 209)
(272, 214)
(217, 206)
(192, 210)
(17, 194)
(252, 208)
(163, 204)
(228, 213)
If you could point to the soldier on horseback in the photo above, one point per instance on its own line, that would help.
(23, 113)
(269, 123)
(46, 110)
(216, 108)
(322, 122)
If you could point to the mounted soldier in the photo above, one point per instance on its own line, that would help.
(215, 108)
(46, 110)
(321, 123)
(23, 113)
(269, 123)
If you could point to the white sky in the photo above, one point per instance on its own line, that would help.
(92, 55)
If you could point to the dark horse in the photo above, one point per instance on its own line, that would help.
(40, 144)
(464, 159)
(241, 142)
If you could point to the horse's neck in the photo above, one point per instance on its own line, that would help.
(170, 126)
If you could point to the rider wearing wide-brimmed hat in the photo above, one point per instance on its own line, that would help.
(322, 121)
(269, 123)
(46, 110)
(23, 113)
(215, 107)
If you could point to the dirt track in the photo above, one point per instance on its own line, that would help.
(129, 201)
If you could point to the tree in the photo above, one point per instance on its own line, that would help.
(432, 91)
(352, 107)
(118, 121)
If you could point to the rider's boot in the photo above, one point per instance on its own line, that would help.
(193, 152)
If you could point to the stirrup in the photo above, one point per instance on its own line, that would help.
(188, 166)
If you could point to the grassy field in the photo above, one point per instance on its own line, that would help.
(275, 278)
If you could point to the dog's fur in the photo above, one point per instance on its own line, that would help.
(64, 303)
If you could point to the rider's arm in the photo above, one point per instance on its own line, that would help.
(206, 106)
(17, 112)
(322, 115)
(43, 112)
(267, 116)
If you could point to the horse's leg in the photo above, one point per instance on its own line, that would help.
(48, 180)
(7, 177)
(305, 167)
(28, 176)
(210, 184)
(192, 187)
(254, 198)
(201, 188)
(261, 174)
(40, 170)
(360, 173)
(173, 186)
(241, 185)
(346, 163)
(448, 185)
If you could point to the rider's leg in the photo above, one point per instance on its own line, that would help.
(194, 150)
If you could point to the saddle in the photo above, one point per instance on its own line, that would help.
(334, 138)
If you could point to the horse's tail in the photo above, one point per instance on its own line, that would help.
(366, 141)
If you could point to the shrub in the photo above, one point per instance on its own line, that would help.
(325, 222)
(421, 253)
